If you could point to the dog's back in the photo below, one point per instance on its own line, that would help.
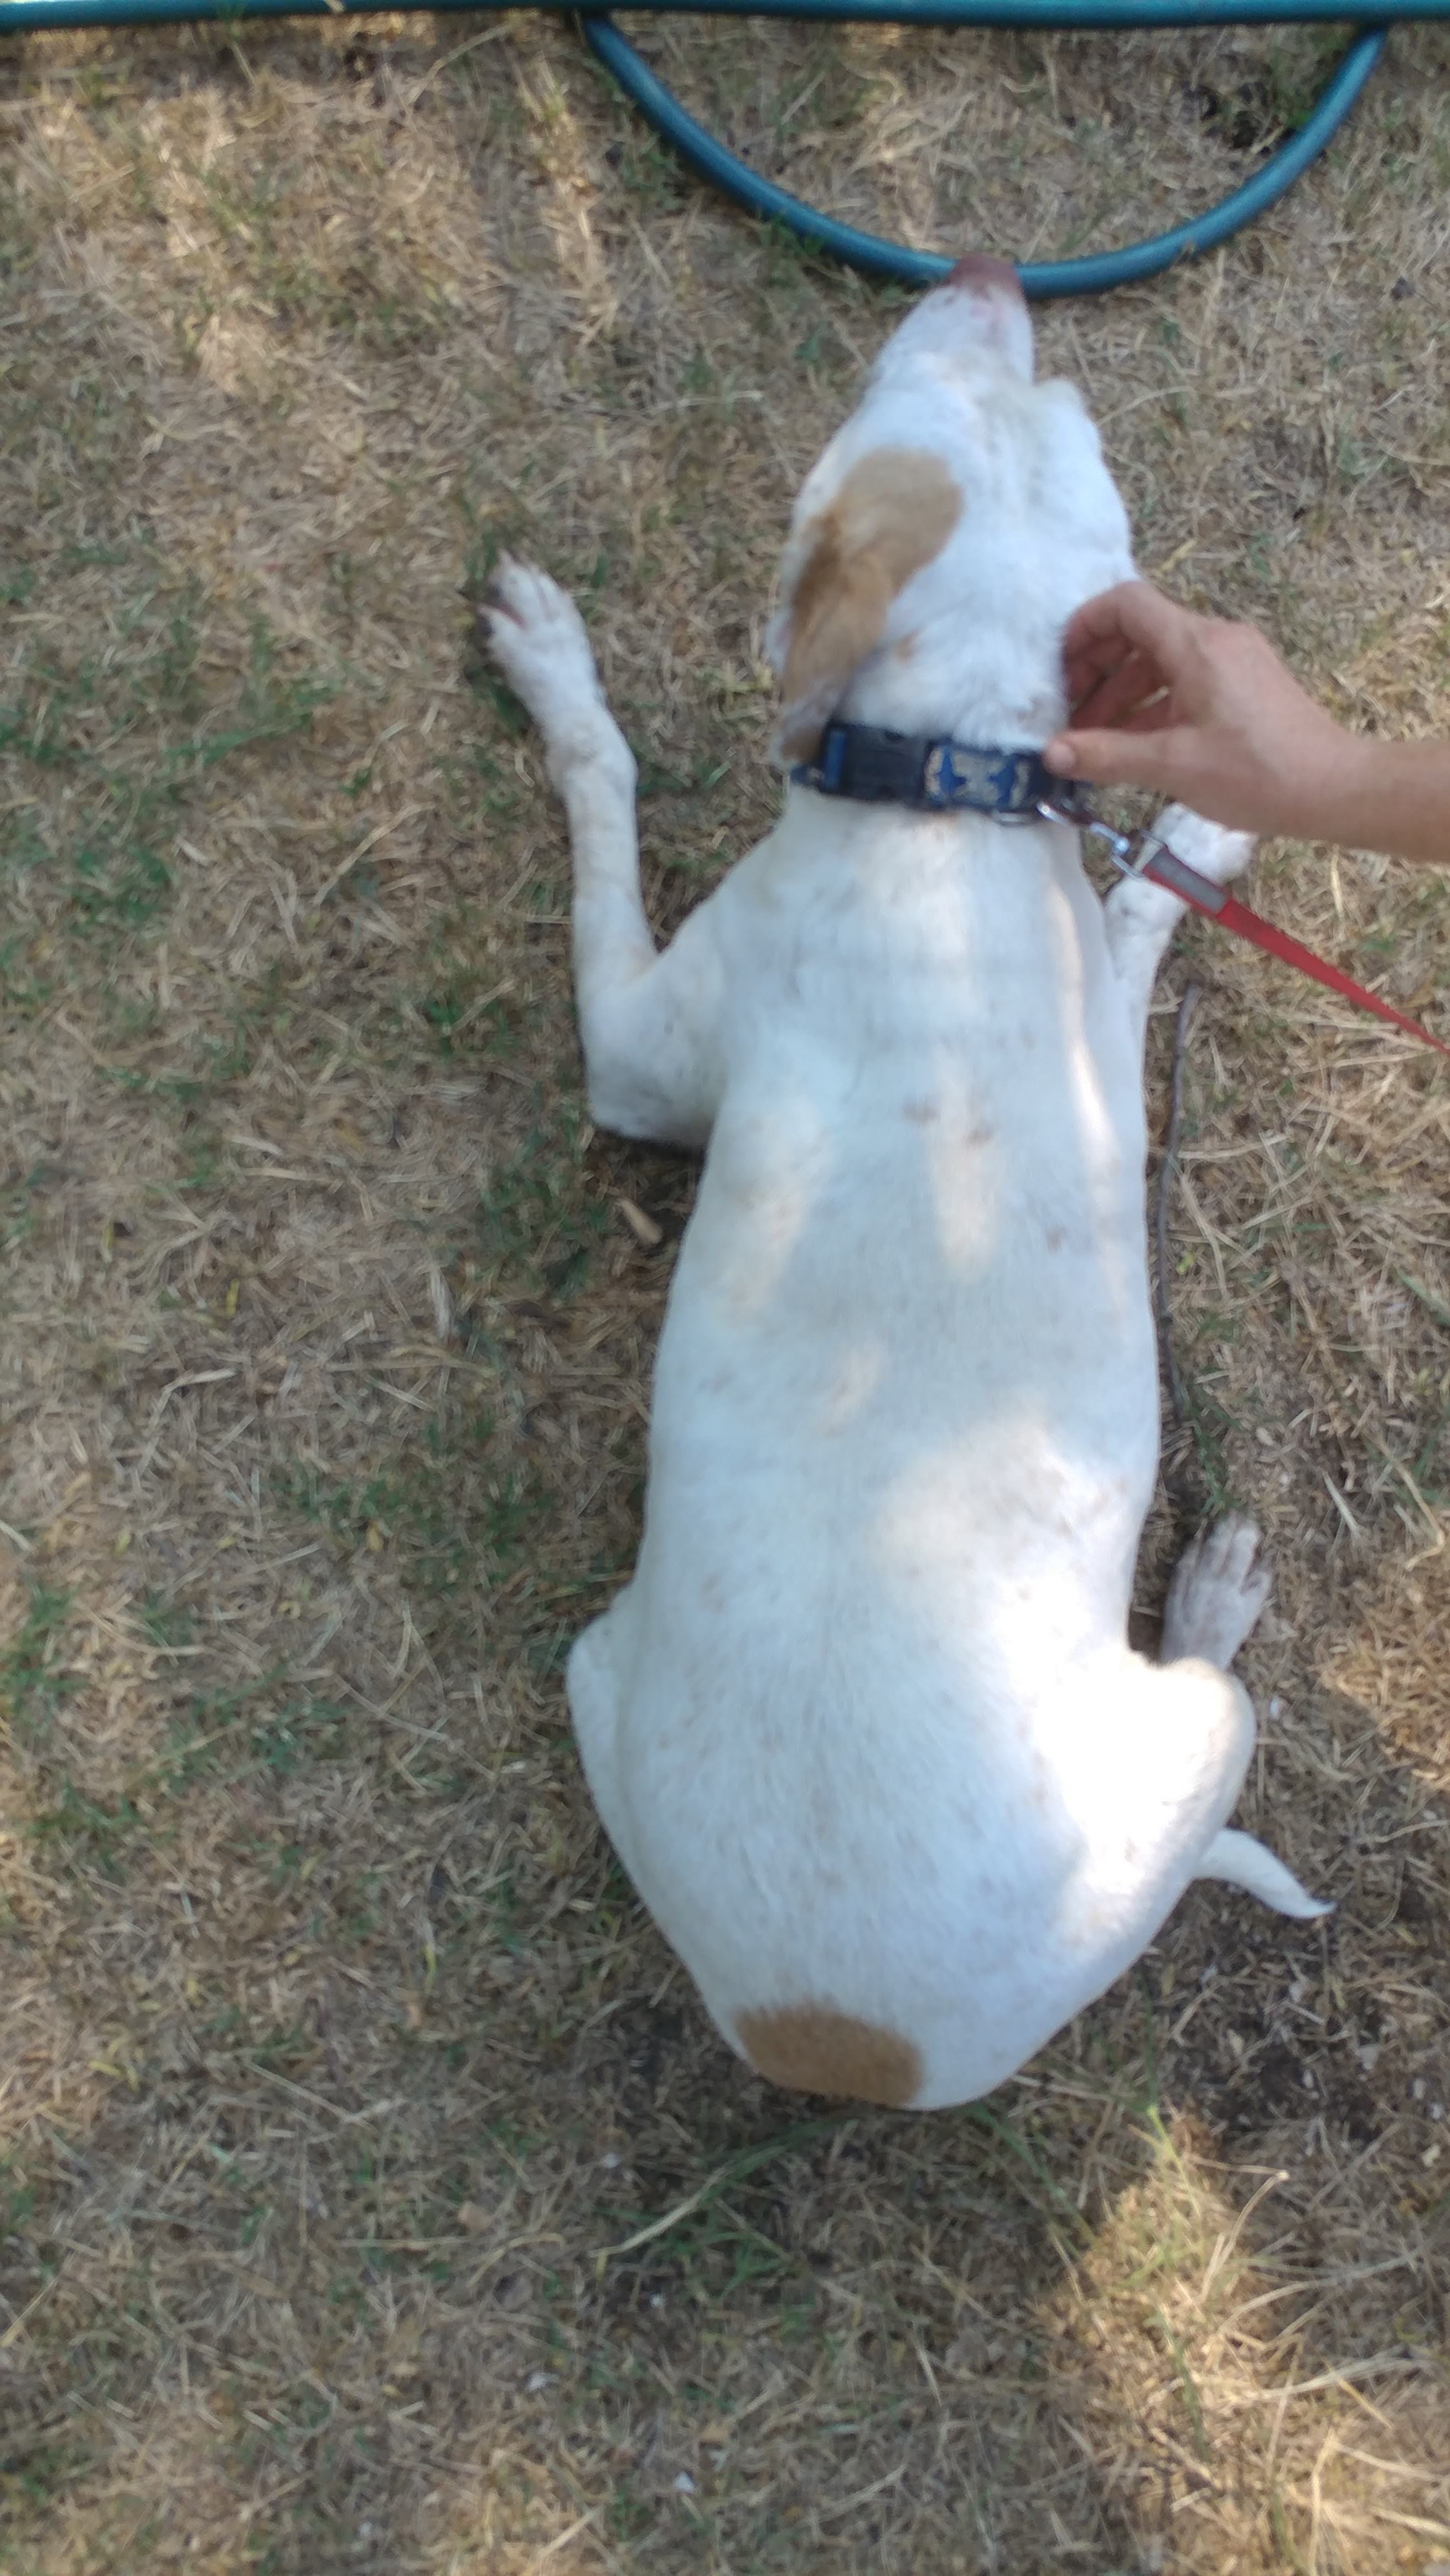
(902, 1445)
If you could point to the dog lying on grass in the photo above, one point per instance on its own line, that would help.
(865, 1728)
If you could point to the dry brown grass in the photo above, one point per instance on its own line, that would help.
(339, 2065)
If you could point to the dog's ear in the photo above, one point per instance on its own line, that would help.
(893, 511)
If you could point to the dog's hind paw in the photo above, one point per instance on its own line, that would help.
(1217, 1592)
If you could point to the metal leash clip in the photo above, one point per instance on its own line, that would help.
(1130, 852)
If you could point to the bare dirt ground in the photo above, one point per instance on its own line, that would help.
(372, 2193)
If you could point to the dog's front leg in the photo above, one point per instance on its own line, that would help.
(537, 636)
(649, 1024)
(1141, 918)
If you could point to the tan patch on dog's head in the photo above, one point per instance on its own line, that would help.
(895, 509)
(811, 2048)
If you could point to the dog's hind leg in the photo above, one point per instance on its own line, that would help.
(1218, 1589)
(1140, 918)
(592, 1682)
(1217, 1592)
(648, 1023)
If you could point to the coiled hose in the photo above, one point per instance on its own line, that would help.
(1092, 275)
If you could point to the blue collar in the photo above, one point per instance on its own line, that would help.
(875, 767)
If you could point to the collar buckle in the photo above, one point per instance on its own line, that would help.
(872, 765)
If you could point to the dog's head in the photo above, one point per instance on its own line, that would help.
(946, 535)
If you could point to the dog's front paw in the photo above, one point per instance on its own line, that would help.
(536, 635)
(1217, 1592)
(1211, 848)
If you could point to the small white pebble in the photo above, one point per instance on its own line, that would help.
(610, 2162)
(684, 2483)
(1276, 1706)
(657, 2299)
(641, 1225)
(1368, 2056)
(538, 2379)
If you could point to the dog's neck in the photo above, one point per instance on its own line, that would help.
(962, 688)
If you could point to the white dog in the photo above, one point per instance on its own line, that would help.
(865, 1727)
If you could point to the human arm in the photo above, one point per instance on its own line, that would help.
(1204, 711)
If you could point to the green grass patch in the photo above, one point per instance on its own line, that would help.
(34, 1683)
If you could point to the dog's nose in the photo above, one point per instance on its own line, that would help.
(988, 276)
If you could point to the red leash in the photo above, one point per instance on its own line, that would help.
(1142, 854)
(1224, 908)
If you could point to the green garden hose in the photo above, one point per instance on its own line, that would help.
(865, 251)
(1040, 278)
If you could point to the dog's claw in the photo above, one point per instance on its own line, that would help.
(536, 635)
(496, 601)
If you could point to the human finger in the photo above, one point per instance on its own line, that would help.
(1087, 663)
(1134, 612)
(1123, 756)
(1135, 683)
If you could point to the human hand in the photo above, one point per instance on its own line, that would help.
(1199, 710)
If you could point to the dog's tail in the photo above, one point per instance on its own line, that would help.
(1242, 1862)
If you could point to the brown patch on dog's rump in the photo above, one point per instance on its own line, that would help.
(893, 512)
(812, 2048)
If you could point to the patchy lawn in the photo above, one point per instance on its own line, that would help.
(373, 2195)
